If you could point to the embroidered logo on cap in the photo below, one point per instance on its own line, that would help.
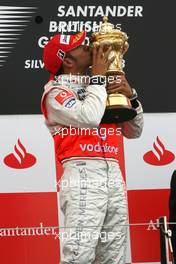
(61, 54)
(65, 39)
(77, 37)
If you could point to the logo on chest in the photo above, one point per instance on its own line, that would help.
(99, 148)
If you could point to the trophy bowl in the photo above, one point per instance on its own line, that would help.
(118, 106)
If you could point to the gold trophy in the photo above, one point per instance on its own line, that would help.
(118, 106)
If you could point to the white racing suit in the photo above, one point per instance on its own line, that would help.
(94, 202)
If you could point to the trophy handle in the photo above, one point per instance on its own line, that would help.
(125, 47)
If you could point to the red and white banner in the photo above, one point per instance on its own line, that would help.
(30, 198)
(150, 162)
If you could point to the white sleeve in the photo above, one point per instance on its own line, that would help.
(134, 127)
(86, 113)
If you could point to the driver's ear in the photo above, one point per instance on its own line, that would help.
(68, 62)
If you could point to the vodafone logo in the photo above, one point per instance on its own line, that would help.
(159, 156)
(63, 94)
(20, 158)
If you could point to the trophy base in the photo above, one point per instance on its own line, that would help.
(118, 109)
(118, 114)
(115, 72)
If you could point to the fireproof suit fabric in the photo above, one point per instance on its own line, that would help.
(94, 202)
(99, 201)
(88, 108)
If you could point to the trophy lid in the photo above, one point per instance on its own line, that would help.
(106, 26)
(107, 30)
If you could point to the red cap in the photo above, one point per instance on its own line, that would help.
(56, 49)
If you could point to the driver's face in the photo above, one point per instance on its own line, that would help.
(82, 55)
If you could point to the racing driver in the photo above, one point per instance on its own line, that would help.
(96, 204)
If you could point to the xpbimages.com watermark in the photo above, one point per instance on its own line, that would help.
(86, 79)
(85, 236)
(73, 233)
(89, 184)
(102, 132)
(83, 233)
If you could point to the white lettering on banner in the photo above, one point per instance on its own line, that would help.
(99, 148)
(27, 231)
(67, 26)
(43, 41)
(74, 26)
(152, 225)
(34, 64)
(95, 11)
